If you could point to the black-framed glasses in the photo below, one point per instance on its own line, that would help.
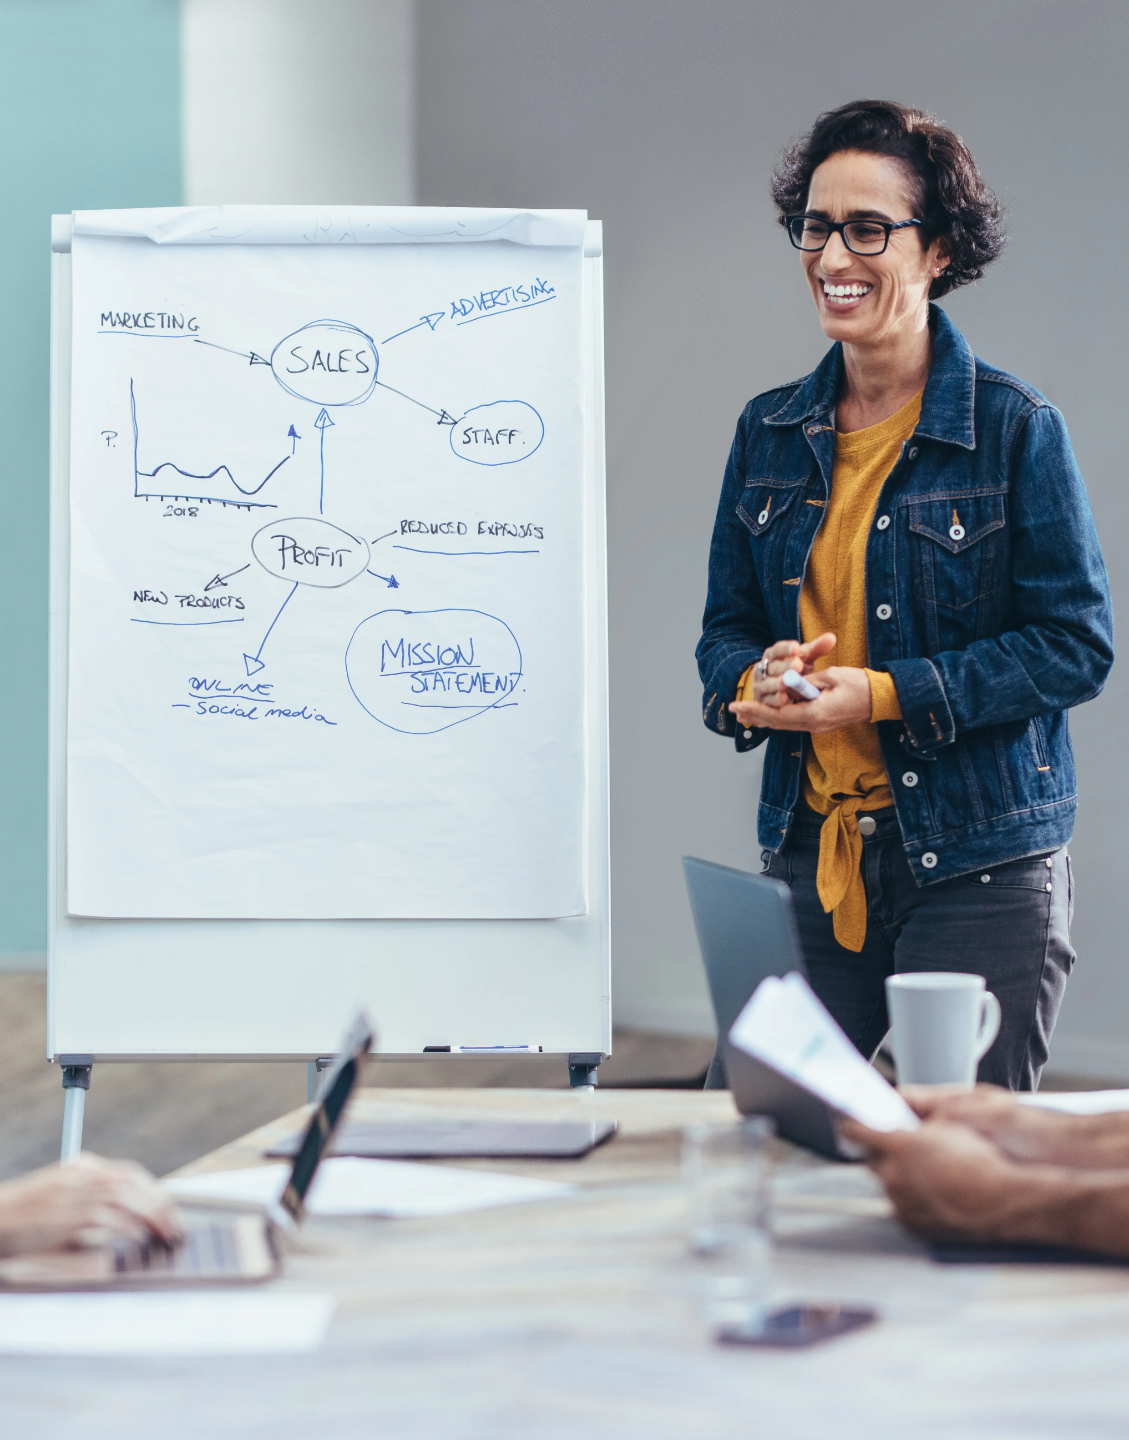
(861, 237)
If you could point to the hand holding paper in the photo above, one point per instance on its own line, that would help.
(783, 1025)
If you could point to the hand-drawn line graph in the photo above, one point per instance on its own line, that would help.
(191, 493)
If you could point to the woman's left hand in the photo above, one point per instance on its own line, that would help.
(845, 700)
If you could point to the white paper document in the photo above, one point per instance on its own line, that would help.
(205, 1322)
(327, 624)
(1079, 1102)
(349, 1185)
(784, 1026)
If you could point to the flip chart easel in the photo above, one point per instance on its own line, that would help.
(139, 987)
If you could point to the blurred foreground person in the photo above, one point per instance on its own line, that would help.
(987, 1169)
(86, 1203)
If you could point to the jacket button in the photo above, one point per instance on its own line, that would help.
(884, 612)
(1050, 863)
(913, 456)
(748, 734)
(985, 879)
(929, 860)
(909, 779)
(762, 518)
(956, 532)
(1049, 885)
(867, 825)
(883, 522)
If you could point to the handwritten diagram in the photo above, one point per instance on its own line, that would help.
(326, 616)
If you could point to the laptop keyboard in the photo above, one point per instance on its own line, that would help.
(209, 1248)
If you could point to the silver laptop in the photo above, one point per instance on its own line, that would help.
(223, 1243)
(746, 931)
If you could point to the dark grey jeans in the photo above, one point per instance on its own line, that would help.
(1010, 924)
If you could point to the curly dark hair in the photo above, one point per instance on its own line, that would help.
(952, 199)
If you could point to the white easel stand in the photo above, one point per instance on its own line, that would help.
(76, 1082)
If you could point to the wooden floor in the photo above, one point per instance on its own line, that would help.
(165, 1115)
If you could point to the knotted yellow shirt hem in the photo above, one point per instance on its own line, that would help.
(839, 882)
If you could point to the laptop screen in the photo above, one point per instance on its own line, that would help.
(746, 930)
(328, 1109)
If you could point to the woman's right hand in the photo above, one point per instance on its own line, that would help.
(87, 1202)
(768, 689)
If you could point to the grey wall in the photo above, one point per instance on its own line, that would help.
(663, 119)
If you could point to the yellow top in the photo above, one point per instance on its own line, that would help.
(845, 771)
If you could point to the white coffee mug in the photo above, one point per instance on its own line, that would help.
(943, 1023)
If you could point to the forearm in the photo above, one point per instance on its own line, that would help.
(1080, 1142)
(1053, 1206)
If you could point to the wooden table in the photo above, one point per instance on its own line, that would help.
(576, 1316)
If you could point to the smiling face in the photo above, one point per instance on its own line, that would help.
(869, 300)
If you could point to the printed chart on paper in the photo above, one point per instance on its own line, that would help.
(327, 624)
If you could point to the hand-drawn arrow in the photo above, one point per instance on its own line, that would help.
(321, 422)
(293, 437)
(389, 580)
(252, 662)
(243, 354)
(223, 579)
(444, 417)
(430, 320)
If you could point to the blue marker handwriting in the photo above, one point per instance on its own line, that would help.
(148, 322)
(245, 701)
(247, 710)
(512, 531)
(476, 307)
(463, 682)
(437, 668)
(210, 602)
(431, 527)
(200, 685)
(413, 654)
(510, 297)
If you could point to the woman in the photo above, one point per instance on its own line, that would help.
(907, 528)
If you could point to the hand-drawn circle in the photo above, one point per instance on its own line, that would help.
(511, 432)
(311, 551)
(327, 362)
(422, 671)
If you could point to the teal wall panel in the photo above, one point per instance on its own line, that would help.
(89, 118)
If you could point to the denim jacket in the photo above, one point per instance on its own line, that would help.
(986, 599)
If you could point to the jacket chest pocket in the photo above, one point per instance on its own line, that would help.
(765, 502)
(958, 549)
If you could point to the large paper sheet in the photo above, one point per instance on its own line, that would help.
(200, 1322)
(326, 627)
(1079, 1102)
(347, 1185)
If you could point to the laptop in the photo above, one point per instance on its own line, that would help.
(223, 1244)
(746, 931)
(431, 1138)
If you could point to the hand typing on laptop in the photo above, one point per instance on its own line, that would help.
(988, 1169)
(86, 1203)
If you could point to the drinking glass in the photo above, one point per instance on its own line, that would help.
(727, 1170)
